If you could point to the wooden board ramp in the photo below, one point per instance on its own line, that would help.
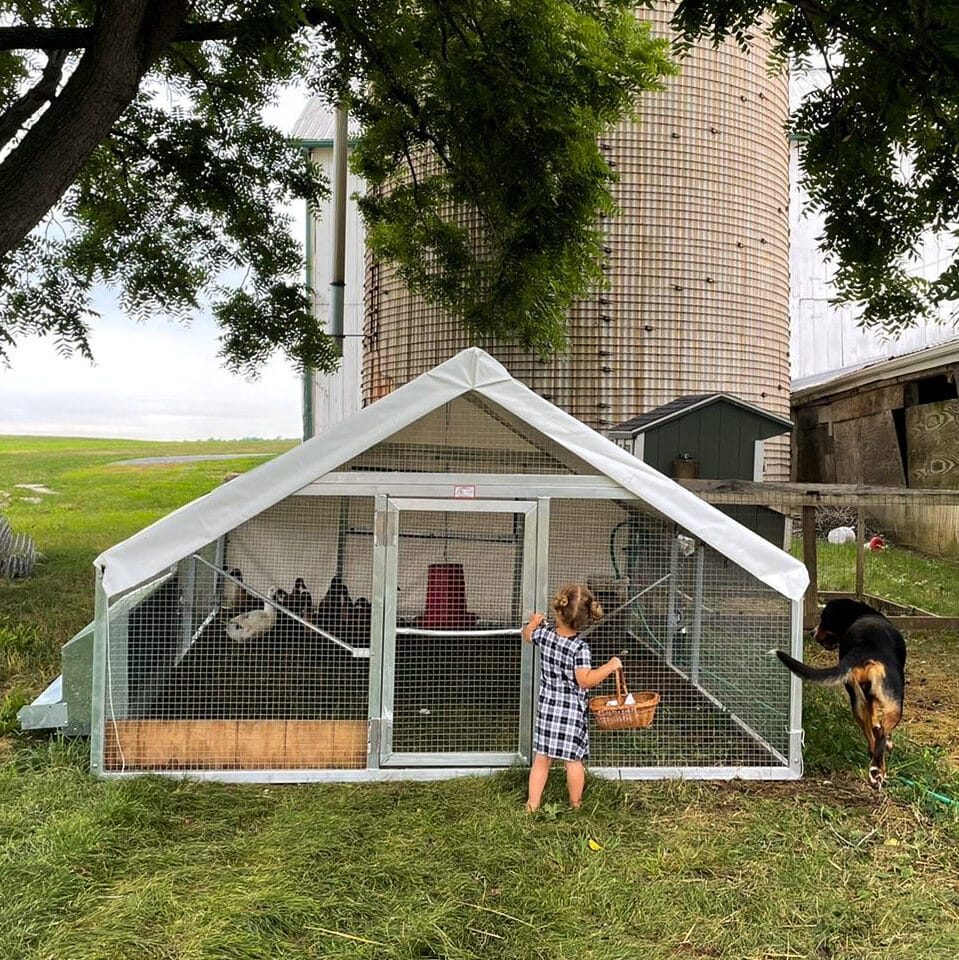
(235, 744)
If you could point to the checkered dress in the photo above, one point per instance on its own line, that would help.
(561, 731)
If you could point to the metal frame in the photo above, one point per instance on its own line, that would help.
(488, 486)
(745, 727)
(384, 722)
(101, 647)
(796, 734)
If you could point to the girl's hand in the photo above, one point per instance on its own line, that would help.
(534, 621)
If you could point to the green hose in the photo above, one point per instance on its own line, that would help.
(941, 797)
(612, 547)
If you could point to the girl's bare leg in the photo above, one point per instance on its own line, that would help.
(575, 781)
(537, 780)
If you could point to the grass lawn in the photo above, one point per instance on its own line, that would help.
(177, 870)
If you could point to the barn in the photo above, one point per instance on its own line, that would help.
(352, 609)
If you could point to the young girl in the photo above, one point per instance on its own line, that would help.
(566, 673)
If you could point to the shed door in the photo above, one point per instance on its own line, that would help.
(457, 687)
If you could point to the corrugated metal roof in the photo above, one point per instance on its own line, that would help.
(318, 121)
(872, 371)
(683, 405)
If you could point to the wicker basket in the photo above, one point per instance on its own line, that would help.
(621, 715)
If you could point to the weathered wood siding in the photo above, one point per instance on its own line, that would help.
(853, 439)
(850, 439)
(932, 435)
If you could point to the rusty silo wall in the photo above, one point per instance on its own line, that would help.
(697, 262)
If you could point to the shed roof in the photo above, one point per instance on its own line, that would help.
(472, 370)
(684, 405)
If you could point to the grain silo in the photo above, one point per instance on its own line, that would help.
(697, 262)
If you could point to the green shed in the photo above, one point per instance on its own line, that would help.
(710, 436)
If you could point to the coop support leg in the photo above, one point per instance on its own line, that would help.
(795, 692)
(697, 629)
(534, 598)
(381, 547)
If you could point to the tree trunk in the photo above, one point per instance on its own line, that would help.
(127, 37)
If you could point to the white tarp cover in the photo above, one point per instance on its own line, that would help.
(204, 520)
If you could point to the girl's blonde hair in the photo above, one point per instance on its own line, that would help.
(575, 605)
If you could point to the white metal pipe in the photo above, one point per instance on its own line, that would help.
(338, 271)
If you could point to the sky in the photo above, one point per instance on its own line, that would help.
(152, 381)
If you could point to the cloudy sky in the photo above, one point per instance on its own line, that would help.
(156, 381)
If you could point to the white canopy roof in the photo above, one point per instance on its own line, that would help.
(210, 517)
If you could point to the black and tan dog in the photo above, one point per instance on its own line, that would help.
(872, 662)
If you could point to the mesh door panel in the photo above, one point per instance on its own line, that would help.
(470, 435)
(458, 692)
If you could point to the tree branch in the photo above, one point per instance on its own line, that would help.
(24, 37)
(42, 92)
(846, 27)
(127, 37)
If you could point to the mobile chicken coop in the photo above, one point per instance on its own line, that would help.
(352, 609)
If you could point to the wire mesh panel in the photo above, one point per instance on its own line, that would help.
(252, 653)
(455, 686)
(469, 434)
(691, 625)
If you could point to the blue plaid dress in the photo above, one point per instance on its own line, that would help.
(561, 731)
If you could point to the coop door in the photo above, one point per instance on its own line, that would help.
(457, 687)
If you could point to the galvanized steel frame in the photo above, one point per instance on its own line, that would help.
(433, 492)
(394, 509)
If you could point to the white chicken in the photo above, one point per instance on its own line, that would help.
(841, 535)
(253, 623)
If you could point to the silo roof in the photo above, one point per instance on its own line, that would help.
(317, 123)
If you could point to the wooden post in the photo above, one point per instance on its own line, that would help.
(860, 554)
(811, 600)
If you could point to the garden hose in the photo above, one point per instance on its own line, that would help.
(941, 797)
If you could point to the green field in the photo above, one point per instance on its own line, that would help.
(178, 870)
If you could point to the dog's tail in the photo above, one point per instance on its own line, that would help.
(831, 676)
